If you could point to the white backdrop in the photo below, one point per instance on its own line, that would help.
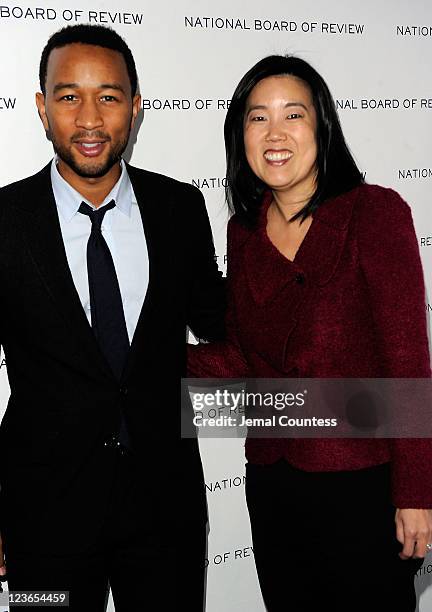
(190, 54)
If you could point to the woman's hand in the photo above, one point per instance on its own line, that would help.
(414, 531)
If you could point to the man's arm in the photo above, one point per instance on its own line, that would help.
(2, 561)
(206, 301)
(222, 359)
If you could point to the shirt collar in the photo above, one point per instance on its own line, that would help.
(68, 199)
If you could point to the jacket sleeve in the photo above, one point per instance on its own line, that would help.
(1, 260)
(206, 300)
(222, 359)
(390, 260)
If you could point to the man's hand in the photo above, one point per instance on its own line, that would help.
(414, 531)
(2, 561)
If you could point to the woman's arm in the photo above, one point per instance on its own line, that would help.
(390, 260)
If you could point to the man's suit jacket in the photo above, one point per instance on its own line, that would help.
(65, 401)
(350, 305)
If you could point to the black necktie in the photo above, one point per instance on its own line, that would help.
(107, 315)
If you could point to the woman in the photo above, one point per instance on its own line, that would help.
(316, 263)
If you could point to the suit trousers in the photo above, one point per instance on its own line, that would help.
(137, 553)
(327, 540)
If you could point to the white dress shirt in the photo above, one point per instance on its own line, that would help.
(123, 231)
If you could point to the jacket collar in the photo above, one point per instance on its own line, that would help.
(268, 271)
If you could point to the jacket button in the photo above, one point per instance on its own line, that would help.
(300, 279)
(123, 390)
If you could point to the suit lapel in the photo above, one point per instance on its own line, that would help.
(268, 271)
(156, 214)
(321, 251)
(38, 217)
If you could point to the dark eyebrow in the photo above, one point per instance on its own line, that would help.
(60, 86)
(287, 105)
(115, 86)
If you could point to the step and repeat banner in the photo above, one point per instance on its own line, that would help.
(376, 58)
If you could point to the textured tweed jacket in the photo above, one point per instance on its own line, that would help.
(351, 304)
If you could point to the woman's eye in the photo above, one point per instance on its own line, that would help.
(258, 118)
(294, 116)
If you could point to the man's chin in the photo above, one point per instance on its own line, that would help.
(91, 169)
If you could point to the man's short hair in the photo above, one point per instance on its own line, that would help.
(98, 35)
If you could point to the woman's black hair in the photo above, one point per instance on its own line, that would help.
(337, 171)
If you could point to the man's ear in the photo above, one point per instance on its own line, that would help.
(136, 107)
(40, 103)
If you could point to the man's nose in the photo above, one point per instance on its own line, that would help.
(89, 116)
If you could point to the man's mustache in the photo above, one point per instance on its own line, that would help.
(90, 135)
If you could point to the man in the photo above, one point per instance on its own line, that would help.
(102, 267)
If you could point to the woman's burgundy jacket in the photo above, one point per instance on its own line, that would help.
(351, 304)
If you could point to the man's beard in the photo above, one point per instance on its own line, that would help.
(90, 169)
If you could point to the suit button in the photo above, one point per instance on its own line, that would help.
(123, 391)
(112, 441)
(300, 279)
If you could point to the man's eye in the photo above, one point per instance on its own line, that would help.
(69, 98)
(109, 98)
